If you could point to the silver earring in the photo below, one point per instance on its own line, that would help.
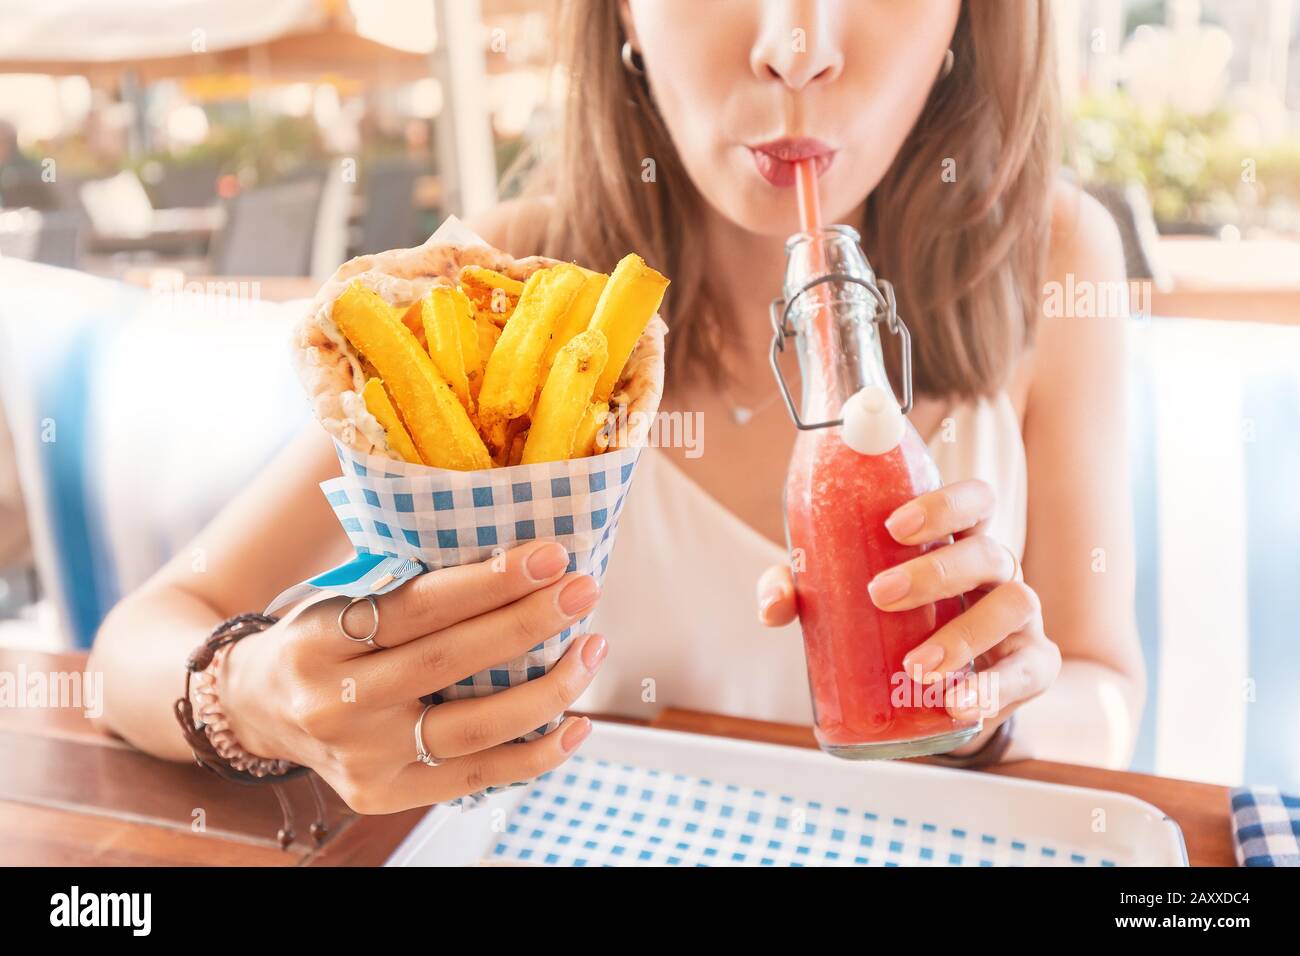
(947, 64)
(630, 57)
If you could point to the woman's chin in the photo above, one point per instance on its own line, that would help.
(760, 208)
(764, 211)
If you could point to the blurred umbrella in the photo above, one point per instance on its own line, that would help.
(130, 43)
(164, 39)
(224, 87)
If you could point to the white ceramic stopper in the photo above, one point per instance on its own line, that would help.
(873, 422)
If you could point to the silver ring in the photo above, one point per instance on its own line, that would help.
(421, 751)
(374, 627)
(1018, 574)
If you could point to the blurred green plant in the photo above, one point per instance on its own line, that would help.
(1195, 169)
(71, 154)
(255, 149)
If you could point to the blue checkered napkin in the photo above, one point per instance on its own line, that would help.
(1266, 826)
(596, 813)
(445, 518)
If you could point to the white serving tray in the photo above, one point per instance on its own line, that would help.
(639, 796)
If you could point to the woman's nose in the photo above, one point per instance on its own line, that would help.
(796, 43)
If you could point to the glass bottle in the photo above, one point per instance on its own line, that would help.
(856, 460)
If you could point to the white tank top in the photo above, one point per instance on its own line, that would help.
(679, 606)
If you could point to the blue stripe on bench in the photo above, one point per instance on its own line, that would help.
(1146, 528)
(1261, 368)
(1273, 535)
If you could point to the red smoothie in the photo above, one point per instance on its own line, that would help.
(836, 503)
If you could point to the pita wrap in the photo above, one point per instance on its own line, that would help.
(333, 373)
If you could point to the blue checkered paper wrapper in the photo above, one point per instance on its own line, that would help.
(1266, 826)
(600, 813)
(405, 519)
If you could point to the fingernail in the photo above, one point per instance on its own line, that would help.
(766, 602)
(578, 595)
(921, 661)
(593, 652)
(906, 521)
(576, 734)
(967, 697)
(546, 562)
(964, 697)
(889, 587)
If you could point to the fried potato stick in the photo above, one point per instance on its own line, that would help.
(517, 449)
(438, 424)
(469, 345)
(508, 438)
(381, 406)
(488, 333)
(513, 373)
(491, 292)
(593, 420)
(566, 397)
(452, 341)
(577, 317)
(413, 318)
(629, 301)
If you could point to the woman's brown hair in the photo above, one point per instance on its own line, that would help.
(959, 223)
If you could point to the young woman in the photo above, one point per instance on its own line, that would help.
(934, 127)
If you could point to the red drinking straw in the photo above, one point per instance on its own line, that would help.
(810, 221)
(810, 210)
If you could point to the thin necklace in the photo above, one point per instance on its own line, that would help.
(743, 414)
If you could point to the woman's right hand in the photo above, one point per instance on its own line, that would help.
(302, 691)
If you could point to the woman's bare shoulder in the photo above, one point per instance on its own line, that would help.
(1084, 280)
(1084, 239)
(515, 226)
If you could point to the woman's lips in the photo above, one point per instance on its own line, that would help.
(776, 160)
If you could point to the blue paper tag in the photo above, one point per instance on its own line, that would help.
(365, 574)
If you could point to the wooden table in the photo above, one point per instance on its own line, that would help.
(70, 795)
(1249, 280)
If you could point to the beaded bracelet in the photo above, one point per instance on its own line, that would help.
(206, 729)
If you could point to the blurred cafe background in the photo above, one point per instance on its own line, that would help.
(176, 176)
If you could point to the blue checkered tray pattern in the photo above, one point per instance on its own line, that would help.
(1266, 826)
(600, 813)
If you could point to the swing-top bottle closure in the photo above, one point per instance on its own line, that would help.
(832, 260)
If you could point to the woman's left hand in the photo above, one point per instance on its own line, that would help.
(1001, 629)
